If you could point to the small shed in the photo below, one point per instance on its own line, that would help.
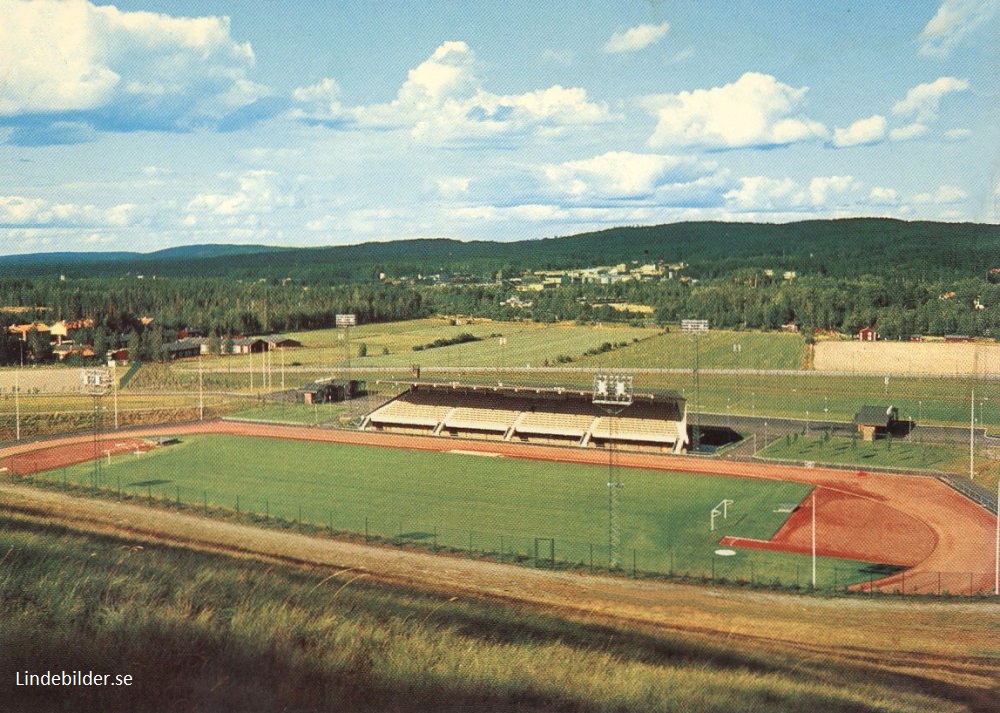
(330, 391)
(867, 334)
(875, 421)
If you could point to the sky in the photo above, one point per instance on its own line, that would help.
(147, 124)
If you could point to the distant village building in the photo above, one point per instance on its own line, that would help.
(63, 329)
(867, 334)
(182, 349)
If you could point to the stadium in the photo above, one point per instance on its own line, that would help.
(413, 473)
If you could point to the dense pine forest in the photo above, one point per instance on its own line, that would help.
(900, 278)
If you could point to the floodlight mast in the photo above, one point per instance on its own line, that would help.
(613, 394)
(96, 383)
(696, 328)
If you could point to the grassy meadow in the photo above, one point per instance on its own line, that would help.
(472, 503)
(714, 350)
(204, 632)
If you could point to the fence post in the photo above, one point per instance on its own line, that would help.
(591, 557)
(177, 502)
(939, 583)
(300, 518)
(366, 530)
(204, 501)
(237, 503)
(633, 563)
(267, 510)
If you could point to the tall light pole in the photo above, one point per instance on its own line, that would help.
(201, 392)
(613, 394)
(972, 436)
(96, 383)
(814, 539)
(696, 328)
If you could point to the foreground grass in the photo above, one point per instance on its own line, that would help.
(203, 632)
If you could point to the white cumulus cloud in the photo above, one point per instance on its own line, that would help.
(257, 192)
(909, 131)
(117, 70)
(21, 211)
(861, 132)
(443, 102)
(764, 194)
(624, 175)
(635, 38)
(944, 195)
(754, 111)
(953, 21)
(923, 102)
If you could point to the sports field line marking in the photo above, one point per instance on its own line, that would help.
(484, 454)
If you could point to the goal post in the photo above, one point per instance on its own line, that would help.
(721, 509)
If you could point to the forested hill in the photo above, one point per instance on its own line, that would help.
(837, 248)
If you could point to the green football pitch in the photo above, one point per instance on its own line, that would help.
(476, 503)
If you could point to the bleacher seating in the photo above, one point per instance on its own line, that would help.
(408, 413)
(635, 429)
(546, 417)
(483, 419)
(555, 423)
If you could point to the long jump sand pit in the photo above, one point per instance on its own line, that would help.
(944, 539)
(943, 358)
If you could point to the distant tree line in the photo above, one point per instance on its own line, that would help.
(220, 308)
(742, 298)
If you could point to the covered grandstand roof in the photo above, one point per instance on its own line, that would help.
(575, 393)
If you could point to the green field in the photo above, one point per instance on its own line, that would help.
(713, 350)
(883, 453)
(475, 503)
(503, 343)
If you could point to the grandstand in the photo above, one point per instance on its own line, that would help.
(654, 422)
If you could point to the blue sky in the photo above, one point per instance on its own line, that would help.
(142, 125)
